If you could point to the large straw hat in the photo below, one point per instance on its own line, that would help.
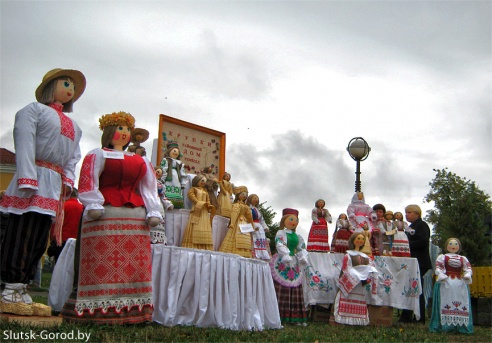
(77, 77)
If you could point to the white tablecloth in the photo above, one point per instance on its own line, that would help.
(195, 287)
(398, 281)
(212, 289)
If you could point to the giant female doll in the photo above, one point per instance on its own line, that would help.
(357, 271)
(451, 307)
(318, 234)
(118, 190)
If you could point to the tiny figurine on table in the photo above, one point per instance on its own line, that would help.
(174, 175)
(343, 231)
(357, 271)
(224, 197)
(378, 234)
(400, 246)
(212, 187)
(198, 233)
(318, 234)
(238, 236)
(260, 243)
(451, 307)
(287, 267)
(359, 213)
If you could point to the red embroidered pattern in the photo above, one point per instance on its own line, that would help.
(113, 259)
(66, 123)
(86, 182)
(25, 181)
(36, 201)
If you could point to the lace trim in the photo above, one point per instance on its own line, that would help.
(118, 304)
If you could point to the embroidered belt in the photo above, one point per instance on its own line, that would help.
(60, 213)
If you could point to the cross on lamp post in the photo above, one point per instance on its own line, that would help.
(359, 150)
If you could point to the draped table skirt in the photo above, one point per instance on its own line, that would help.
(195, 287)
(398, 283)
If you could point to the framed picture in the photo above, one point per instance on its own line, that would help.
(200, 146)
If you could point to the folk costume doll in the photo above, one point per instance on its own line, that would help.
(118, 190)
(47, 149)
(357, 271)
(168, 205)
(399, 244)
(260, 243)
(236, 240)
(139, 136)
(212, 186)
(224, 197)
(174, 175)
(198, 233)
(343, 231)
(287, 267)
(378, 234)
(451, 307)
(318, 234)
(359, 213)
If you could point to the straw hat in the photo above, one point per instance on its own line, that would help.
(77, 77)
(139, 135)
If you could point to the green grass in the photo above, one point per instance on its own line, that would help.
(314, 332)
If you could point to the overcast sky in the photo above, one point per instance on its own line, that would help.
(289, 82)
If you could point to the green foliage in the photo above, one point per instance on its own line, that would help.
(268, 216)
(460, 210)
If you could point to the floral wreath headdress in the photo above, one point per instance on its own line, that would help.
(117, 118)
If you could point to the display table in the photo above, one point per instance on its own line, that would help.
(398, 282)
(212, 289)
(195, 287)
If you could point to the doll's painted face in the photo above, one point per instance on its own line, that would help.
(291, 222)
(398, 216)
(320, 204)
(360, 195)
(343, 216)
(121, 137)
(379, 214)
(359, 241)
(388, 216)
(243, 196)
(254, 200)
(158, 173)
(453, 246)
(174, 153)
(202, 182)
(64, 91)
(227, 177)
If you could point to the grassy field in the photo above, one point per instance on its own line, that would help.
(314, 332)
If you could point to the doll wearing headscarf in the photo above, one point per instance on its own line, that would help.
(260, 243)
(451, 307)
(318, 234)
(174, 175)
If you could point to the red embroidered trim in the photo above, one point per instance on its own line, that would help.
(66, 123)
(23, 203)
(86, 182)
(26, 181)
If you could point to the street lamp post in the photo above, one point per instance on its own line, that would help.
(359, 150)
